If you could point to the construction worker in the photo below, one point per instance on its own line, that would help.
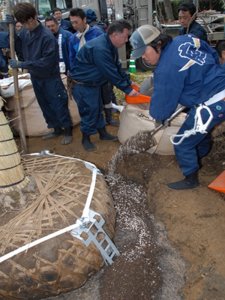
(64, 24)
(83, 34)
(96, 63)
(188, 73)
(187, 15)
(108, 95)
(41, 58)
(63, 38)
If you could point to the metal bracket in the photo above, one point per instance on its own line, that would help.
(91, 230)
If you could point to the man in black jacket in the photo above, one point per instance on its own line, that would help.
(187, 16)
(41, 58)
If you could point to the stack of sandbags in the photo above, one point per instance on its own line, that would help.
(33, 119)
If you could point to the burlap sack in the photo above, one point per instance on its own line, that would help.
(54, 200)
(33, 120)
(135, 118)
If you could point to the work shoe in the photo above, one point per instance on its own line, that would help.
(57, 132)
(68, 136)
(189, 182)
(87, 144)
(105, 136)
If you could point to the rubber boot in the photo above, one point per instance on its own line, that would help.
(87, 144)
(57, 132)
(68, 136)
(105, 136)
(189, 182)
(109, 118)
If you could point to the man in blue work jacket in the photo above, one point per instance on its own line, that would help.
(41, 58)
(187, 73)
(63, 38)
(96, 63)
(63, 23)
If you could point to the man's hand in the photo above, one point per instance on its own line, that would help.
(14, 63)
(133, 93)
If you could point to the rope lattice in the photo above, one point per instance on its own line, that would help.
(60, 194)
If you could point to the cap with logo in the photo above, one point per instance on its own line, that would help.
(141, 37)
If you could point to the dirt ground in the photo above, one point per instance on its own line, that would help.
(171, 243)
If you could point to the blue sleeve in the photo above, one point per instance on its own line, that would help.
(73, 49)
(168, 87)
(112, 70)
(49, 56)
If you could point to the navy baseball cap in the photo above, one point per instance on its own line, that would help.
(141, 37)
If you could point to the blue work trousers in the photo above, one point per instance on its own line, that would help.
(89, 102)
(53, 100)
(194, 147)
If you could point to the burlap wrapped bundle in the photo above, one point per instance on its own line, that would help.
(54, 199)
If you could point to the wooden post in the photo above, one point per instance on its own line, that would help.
(16, 82)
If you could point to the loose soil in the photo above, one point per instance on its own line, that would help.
(171, 243)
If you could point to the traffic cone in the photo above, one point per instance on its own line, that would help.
(132, 66)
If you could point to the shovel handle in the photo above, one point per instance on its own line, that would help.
(167, 121)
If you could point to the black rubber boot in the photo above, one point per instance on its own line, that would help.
(189, 182)
(109, 118)
(57, 132)
(105, 136)
(68, 136)
(87, 144)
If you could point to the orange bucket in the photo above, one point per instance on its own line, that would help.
(139, 99)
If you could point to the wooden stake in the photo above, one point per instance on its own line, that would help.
(16, 82)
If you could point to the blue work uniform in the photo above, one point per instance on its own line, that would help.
(188, 73)
(66, 25)
(41, 58)
(63, 38)
(96, 63)
(196, 29)
(74, 44)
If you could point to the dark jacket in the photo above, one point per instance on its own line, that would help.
(91, 34)
(97, 62)
(195, 29)
(65, 34)
(40, 52)
(66, 25)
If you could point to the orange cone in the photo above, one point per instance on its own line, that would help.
(218, 184)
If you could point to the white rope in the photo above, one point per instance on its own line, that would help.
(199, 126)
(79, 222)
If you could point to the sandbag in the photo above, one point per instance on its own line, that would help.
(54, 200)
(33, 120)
(7, 85)
(135, 118)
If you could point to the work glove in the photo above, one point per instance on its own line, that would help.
(14, 63)
(9, 19)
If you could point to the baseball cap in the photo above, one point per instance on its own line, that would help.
(141, 37)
